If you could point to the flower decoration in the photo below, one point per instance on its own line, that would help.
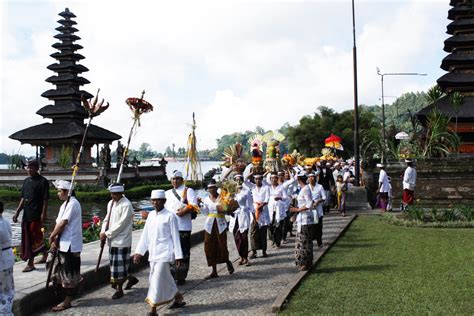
(227, 195)
(93, 106)
(86, 225)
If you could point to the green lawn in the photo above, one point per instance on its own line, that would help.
(378, 268)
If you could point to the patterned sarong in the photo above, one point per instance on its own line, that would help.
(180, 273)
(67, 273)
(7, 291)
(119, 264)
(304, 247)
(32, 239)
(258, 237)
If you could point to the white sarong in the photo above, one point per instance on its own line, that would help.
(162, 288)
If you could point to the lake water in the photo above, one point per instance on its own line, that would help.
(91, 209)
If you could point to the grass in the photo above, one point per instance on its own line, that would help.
(378, 268)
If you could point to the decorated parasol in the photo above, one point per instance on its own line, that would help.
(333, 141)
(93, 108)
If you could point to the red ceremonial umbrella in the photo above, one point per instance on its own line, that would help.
(333, 141)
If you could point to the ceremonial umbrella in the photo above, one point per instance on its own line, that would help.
(333, 141)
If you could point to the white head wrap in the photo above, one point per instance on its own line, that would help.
(116, 188)
(62, 184)
(177, 174)
(158, 194)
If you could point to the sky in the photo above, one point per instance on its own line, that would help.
(236, 64)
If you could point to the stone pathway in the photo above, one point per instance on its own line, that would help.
(250, 290)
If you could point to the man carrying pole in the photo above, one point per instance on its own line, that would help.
(181, 201)
(117, 230)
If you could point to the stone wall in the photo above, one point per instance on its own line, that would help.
(440, 182)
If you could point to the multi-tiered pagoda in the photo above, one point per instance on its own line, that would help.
(67, 126)
(460, 77)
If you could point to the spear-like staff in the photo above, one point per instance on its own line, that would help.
(138, 106)
(93, 108)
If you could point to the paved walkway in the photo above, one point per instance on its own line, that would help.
(250, 290)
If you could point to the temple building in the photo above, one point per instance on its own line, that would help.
(460, 77)
(60, 139)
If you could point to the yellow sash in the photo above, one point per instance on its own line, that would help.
(218, 215)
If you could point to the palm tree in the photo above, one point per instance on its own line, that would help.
(457, 100)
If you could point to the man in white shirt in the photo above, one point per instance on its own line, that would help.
(117, 230)
(181, 201)
(383, 188)
(277, 209)
(68, 231)
(160, 238)
(409, 181)
(260, 218)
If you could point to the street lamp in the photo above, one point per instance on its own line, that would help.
(383, 104)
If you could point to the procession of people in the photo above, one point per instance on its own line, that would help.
(267, 206)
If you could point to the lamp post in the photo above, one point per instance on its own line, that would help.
(383, 104)
(356, 107)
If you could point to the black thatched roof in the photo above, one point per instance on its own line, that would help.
(444, 105)
(66, 112)
(69, 109)
(459, 41)
(70, 131)
(457, 82)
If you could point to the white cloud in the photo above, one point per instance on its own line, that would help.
(236, 64)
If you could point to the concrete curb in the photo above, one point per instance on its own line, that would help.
(295, 281)
(39, 297)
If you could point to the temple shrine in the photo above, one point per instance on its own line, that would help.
(63, 135)
(460, 77)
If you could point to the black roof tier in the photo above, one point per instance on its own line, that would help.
(459, 60)
(67, 78)
(67, 14)
(67, 55)
(68, 93)
(452, 81)
(68, 65)
(444, 105)
(67, 37)
(64, 131)
(59, 110)
(460, 25)
(462, 10)
(66, 29)
(67, 22)
(459, 41)
(65, 46)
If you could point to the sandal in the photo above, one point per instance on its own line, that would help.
(211, 276)
(117, 295)
(28, 269)
(230, 267)
(59, 308)
(177, 305)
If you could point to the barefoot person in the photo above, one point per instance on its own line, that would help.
(215, 232)
(68, 230)
(160, 238)
(117, 230)
(34, 203)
